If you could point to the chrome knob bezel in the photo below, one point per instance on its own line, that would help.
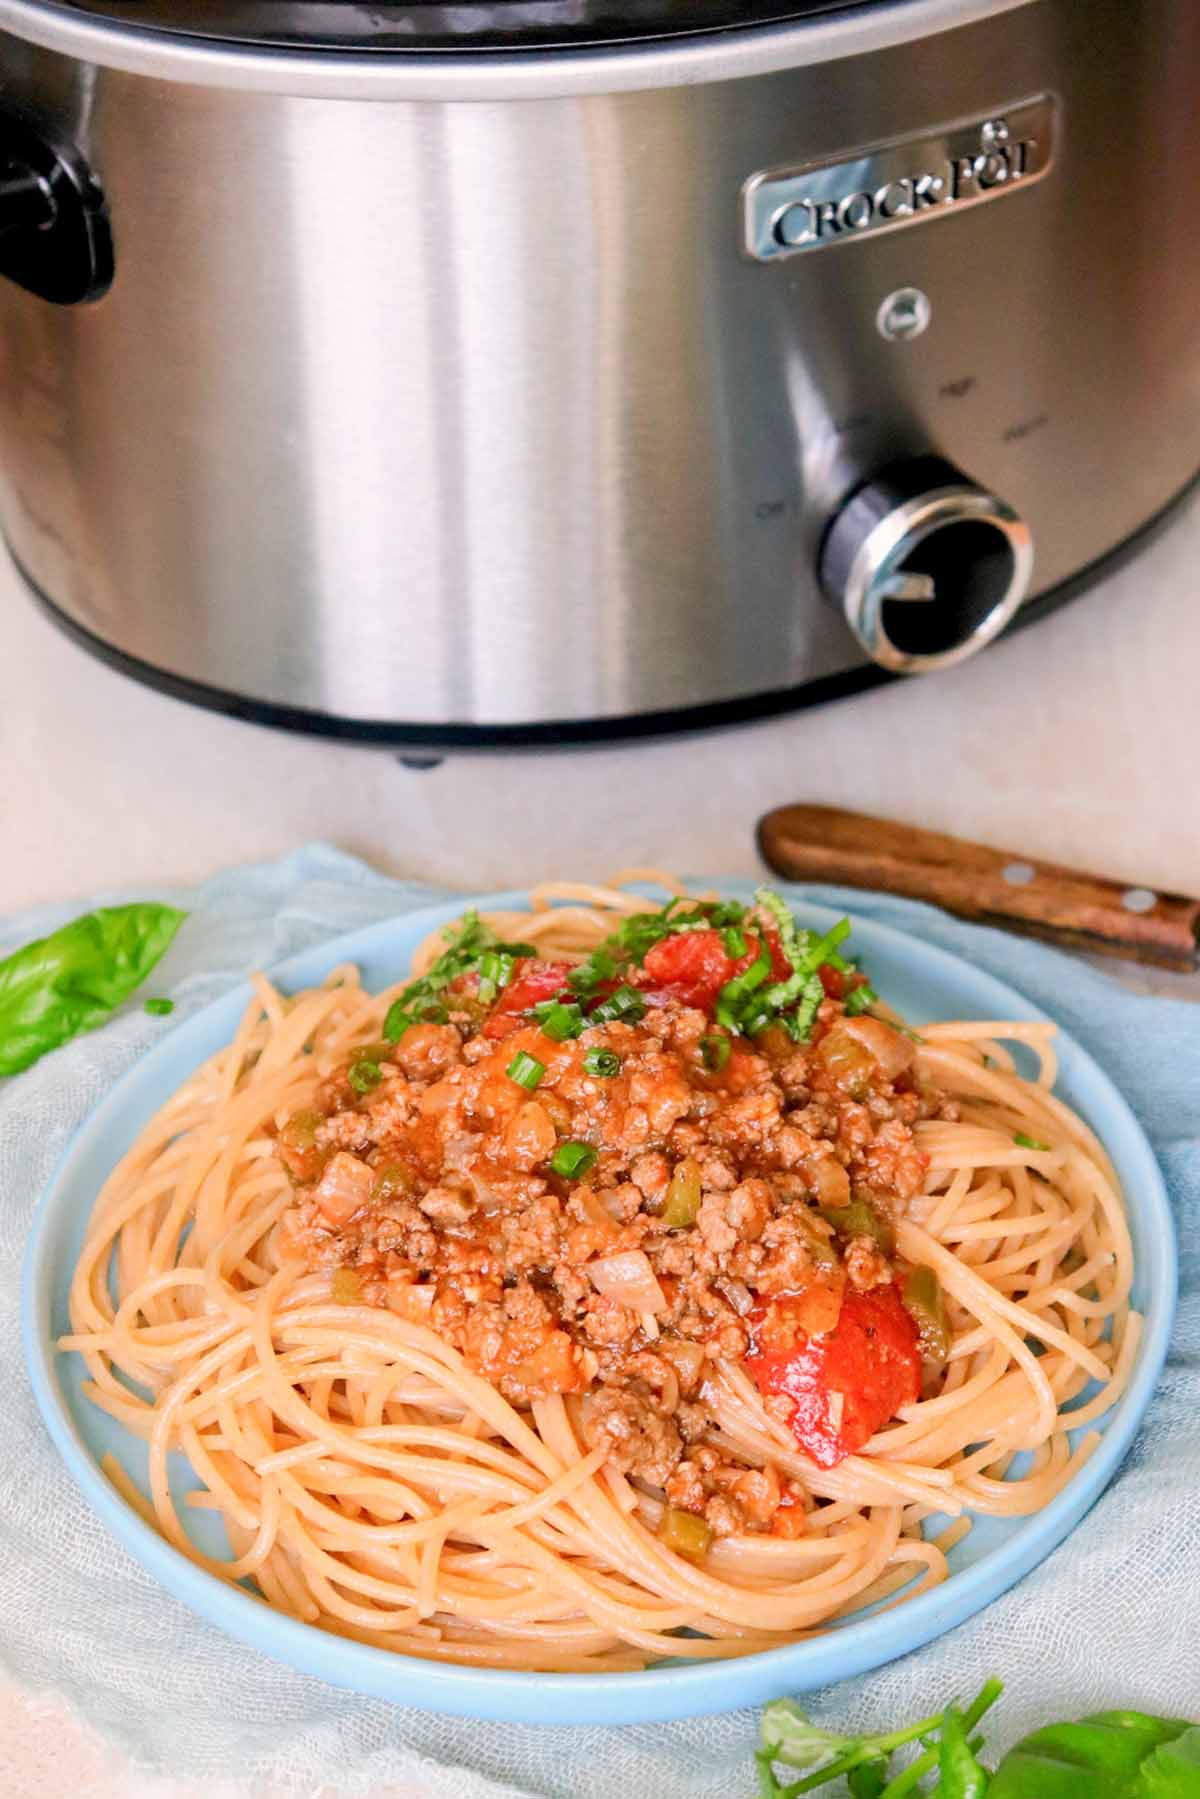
(877, 564)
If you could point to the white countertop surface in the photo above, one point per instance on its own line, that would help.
(1078, 740)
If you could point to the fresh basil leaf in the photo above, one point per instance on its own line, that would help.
(1099, 1757)
(71, 981)
(1172, 1771)
(868, 1780)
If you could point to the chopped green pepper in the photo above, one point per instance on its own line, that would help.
(346, 1288)
(682, 1203)
(923, 1298)
(860, 1219)
(685, 1533)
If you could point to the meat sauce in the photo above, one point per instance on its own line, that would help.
(736, 1204)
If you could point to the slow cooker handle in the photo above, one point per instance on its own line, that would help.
(55, 238)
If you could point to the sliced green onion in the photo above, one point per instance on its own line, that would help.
(715, 1051)
(626, 1004)
(557, 1020)
(525, 1070)
(1024, 1141)
(573, 1159)
(364, 1075)
(733, 938)
(602, 1062)
(160, 1008)
(495, 972)
(859, 998)
(733, 996)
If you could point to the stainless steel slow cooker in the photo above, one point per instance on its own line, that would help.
(495, 371)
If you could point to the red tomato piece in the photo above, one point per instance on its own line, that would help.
(846, 1384)
(532, 983)
(838, 985)
(693, 966)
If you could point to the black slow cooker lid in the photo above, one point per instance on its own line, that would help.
(468, 25)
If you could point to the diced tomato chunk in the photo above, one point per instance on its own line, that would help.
(693, 966)
(838, 985)
(846, 1384)
(532, 983)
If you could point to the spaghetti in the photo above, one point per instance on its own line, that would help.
(379, 1477)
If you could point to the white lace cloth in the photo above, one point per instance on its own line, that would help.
(1109, 1619)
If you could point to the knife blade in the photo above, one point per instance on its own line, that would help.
(1065, 906)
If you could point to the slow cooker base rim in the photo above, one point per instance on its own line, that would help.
(595, 733)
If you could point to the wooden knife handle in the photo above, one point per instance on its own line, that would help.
(1079, 911)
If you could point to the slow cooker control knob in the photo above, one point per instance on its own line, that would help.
(927, 566)
(55, 238)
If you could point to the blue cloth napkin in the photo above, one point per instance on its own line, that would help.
(1109, 1619)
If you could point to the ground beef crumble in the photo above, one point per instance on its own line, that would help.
(436, 1190)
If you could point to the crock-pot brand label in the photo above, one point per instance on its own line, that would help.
(789, 211)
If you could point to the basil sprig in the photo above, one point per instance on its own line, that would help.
(471, 945)
(1109, 1755)
(71, 981)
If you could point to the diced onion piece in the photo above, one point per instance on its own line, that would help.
(685, 1533)
(346, 1287)
(629, 1280)
(411, 1301)
(831, 1183)
(345, 1186)
(893, 1052)
(737, 1293)
(687, 1357)
(818, 1306)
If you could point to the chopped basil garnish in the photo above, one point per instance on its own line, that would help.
(471, 945)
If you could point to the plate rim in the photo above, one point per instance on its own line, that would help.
(654, 1694)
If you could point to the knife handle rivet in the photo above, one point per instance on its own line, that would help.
(1019, 874)
(1139, 899)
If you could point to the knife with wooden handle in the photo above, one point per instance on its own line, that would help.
(1018, 893)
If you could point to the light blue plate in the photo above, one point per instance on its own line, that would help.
(924, 983)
